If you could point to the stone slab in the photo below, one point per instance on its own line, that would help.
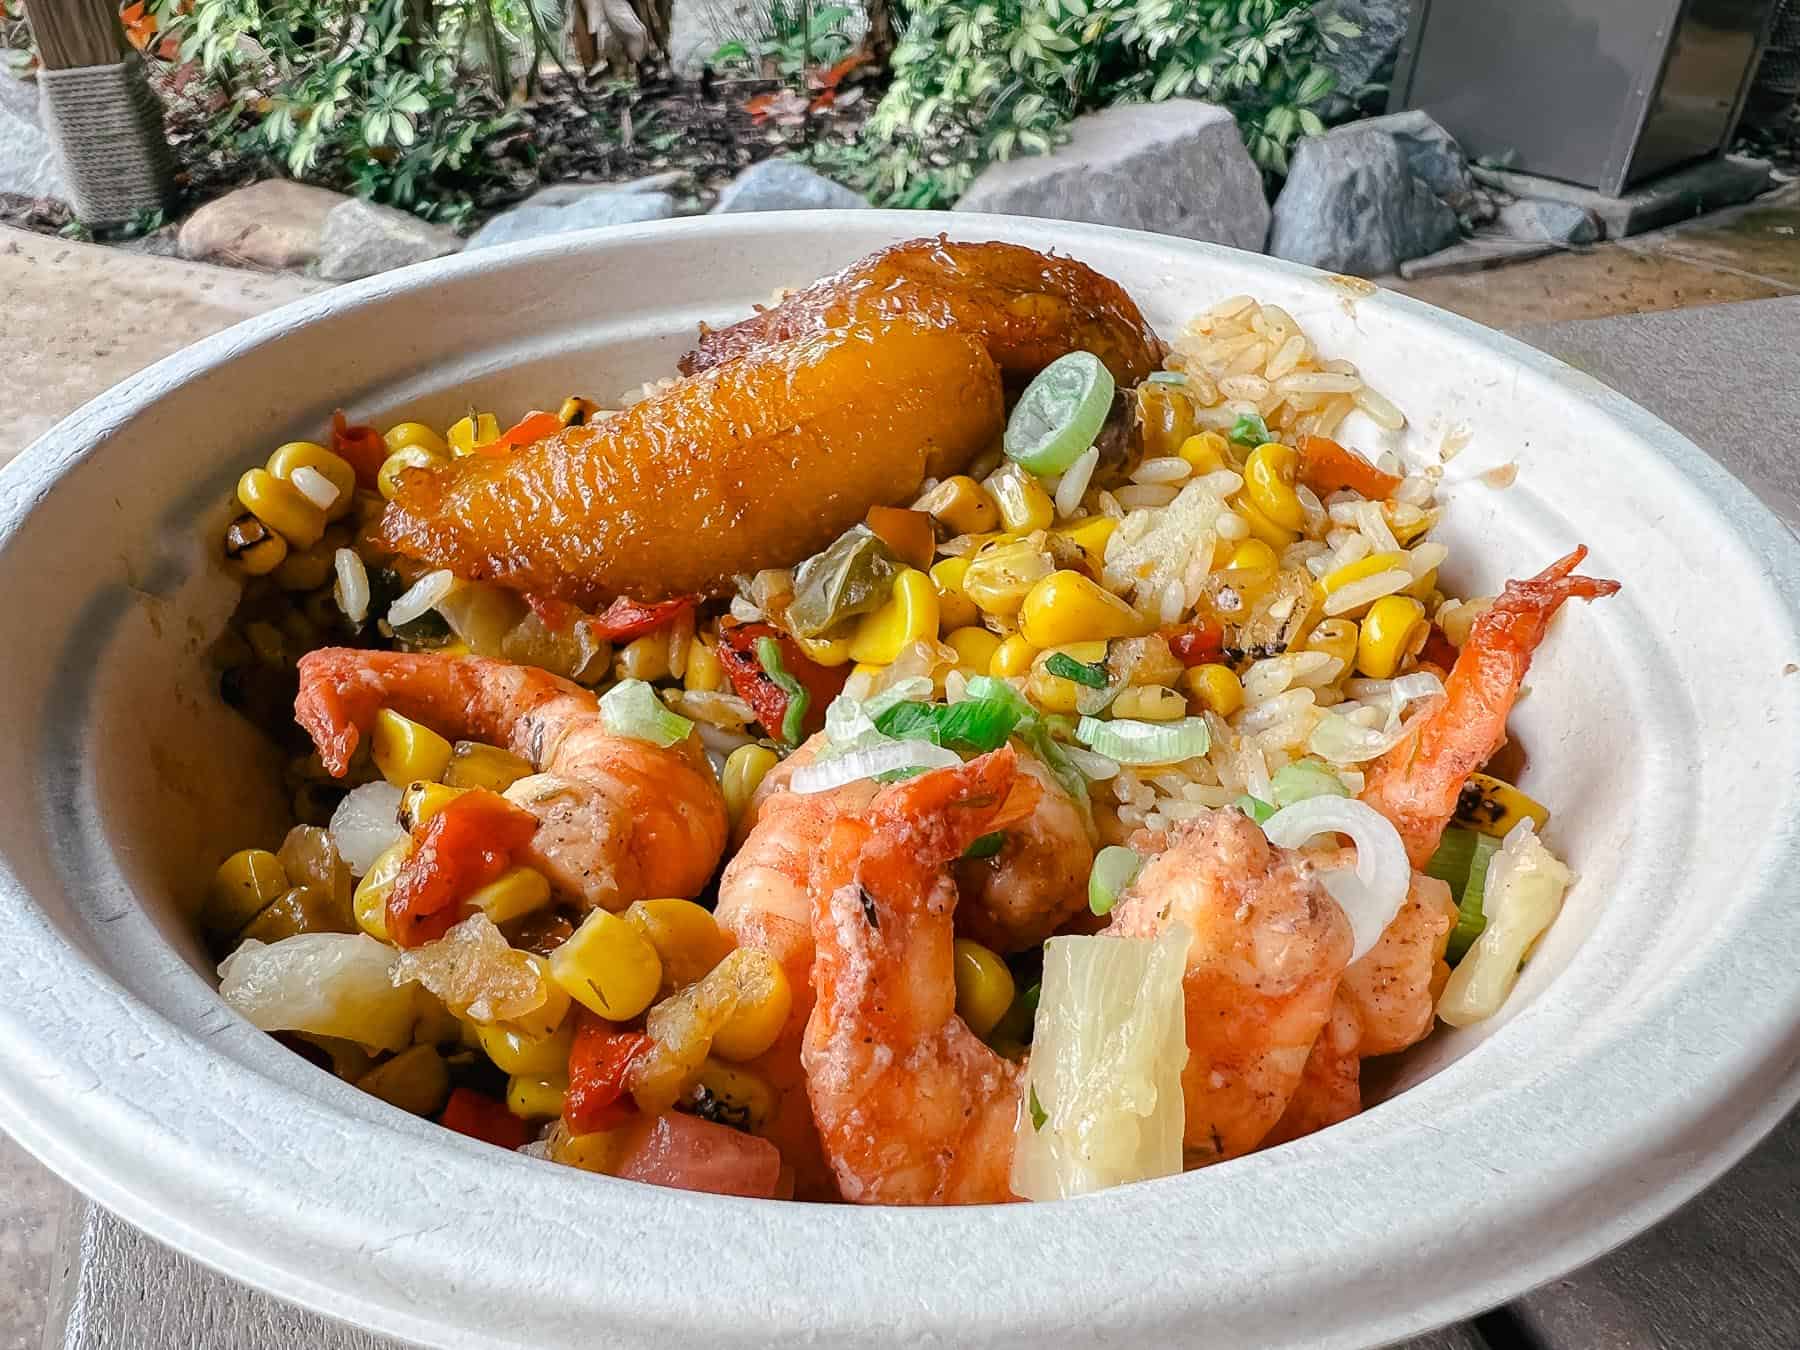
(1475, 255)
(1676, 196)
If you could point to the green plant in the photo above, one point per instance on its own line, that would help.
(798, 36)
(982, 80)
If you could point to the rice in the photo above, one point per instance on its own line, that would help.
(1167, 469)
(1074, 484)
(1366, 591)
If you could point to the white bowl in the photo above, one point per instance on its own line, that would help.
(1648, 1045)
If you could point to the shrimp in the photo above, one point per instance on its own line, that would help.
(912, 1108)
(1393, 987)
(1330, 1087)
(620, 819)
(1416, 783)
(1269, 946)
(1038, 879)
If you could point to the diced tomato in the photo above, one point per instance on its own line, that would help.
(768, 700)
(1438, 650)
(907, 533)
(361, 445)
(528, 430)
(556, 615)
(1195, 644)
(1326, 467)
(624, 619)
(691, 1154)
(459, 850)
(599, 1060)
(481, 1117)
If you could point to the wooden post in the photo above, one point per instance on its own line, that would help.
(75, 33)
(881, 32)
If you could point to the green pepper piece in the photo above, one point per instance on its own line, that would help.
(854, 575)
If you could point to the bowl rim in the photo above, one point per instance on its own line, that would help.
(1695, 1120)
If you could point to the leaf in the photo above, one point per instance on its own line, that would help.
(1310, 123)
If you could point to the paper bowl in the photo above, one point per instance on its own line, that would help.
(1648, 1044)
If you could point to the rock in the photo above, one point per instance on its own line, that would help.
(562, 194)
(587, 212)
(277, 224)
(1352, 205)
(1367, 58)
(1432, 153)
(29, 164)
(1539, 219)
(698, 28)
(1176, 168)
(783, 185)
(362, 239)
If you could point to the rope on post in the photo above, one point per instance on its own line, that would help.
(107, 125)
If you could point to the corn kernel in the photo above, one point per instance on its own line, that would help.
(536, 1098)
(527, 1056)
(1361, 570)
(253, 546)
(1002, 573)
(1407, 534)
(1337, 638)
(553, 1012)
(577, 412)
(1269, 483)
(608, 967)
(1024, 505)
(704, 673)
(1215, 688)
(415, 1080)
(307, 569)
(1275, 536)
(245, 884)
(1090, 537)
(910, 614)
(514, 893)
(1252, 553)
(1393, 630)
(1012, 657)
(1423, 587)
(961, 506)
(984, 986)
(1150, 703)
(467, 434)
(1053, 693)
(687, 939)
(975, 648)
(955, 609)
(307, 455)
(403, 434)
(825, 651)
(370, 901)
(420, 801)
(732, 1096)
(744, 770)
(761, 1013)
(1205, 451)
(299, 909)
(1493, 806)
(387, 478)
(645, 658)
(1066, 607)
(406, 752)
(281, 507)
(474, 765)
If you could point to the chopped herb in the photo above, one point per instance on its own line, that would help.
(974, 726)
(793, 720)
(1066, 667)
(986, 846)
(868, 904)
(1038, 1114)
(1249, 429)
(1254, 807)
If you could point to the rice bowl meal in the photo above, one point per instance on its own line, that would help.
(947, 745)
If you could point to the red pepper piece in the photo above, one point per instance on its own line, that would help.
(768, 700)
(599, 1060)
(555, 614)
(1195, 644)
(1326, 467)
(624, 619)
(533, 427)
(463, 847)
(361, 445)
(481, 1117)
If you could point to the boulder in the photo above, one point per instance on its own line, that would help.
(1176, 168)
(589, 211)
(29, 164)
(277, 224)
(1352, 205)
(1369, 57)
(562, 194)
(1432, 154)
(783, 185)
(362, 239)
(1540, 220)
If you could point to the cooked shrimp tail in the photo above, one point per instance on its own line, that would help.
(1416, 783)
(911, 1107)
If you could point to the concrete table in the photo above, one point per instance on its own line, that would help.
(1723, 1272)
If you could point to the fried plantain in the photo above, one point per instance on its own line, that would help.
(1028, 307)
(757, 463)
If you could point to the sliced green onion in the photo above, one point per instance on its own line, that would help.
(1305, 778)
(1038, 1114)
(631, 708)
(793, 718)
(987, 686)
(1165, 377)
(1461, 861)
(1060, 413)
(1249, 429)
(1066, 667)
(976, 725)
(1254, 807)
(986, 846)
(1133, 742)
(1115, 868)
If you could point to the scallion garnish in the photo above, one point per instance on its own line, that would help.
(793, 718)
(631, 708)
(1249, 429)
(986, 846)
(1115, 868)
(1066, 667)
(1254, 807)
(1461, 862)
(1038, 1114)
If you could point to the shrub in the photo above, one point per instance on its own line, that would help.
(981, 80)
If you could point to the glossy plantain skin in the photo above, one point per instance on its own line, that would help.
(758, 463)
(1028, 307)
